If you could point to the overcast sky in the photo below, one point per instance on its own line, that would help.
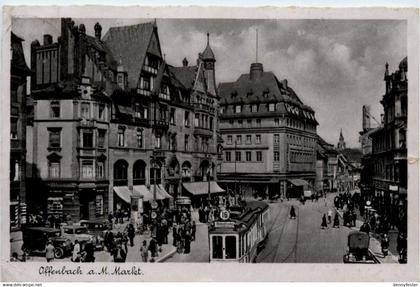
(335, 66)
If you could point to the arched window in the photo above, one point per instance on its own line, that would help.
(139, 173)
(120, 173)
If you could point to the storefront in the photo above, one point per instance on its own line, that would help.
(198, 191)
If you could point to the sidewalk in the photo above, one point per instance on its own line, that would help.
(374, 244)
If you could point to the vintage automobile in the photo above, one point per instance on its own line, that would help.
(358, 249)
(35, 239)
(77, 232)
(96, 228)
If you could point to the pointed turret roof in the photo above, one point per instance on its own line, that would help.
(208, 52)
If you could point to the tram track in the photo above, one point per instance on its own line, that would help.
(294, 249)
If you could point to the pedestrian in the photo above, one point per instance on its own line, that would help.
(76, 251)
(336, 221)
(124, 242)
(153, 247)
(89, 251)
(329, 215)
(187, 239)
(292, 212)
(324, 222)
(365, 227)
(385, 244)
(193, 230)
(402, 247)
(119, 255)
(49, 251)
(175, 234)
(131, 233)
(354, 218)
(144, 251)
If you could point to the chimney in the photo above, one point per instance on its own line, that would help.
(366, 118)
(185, 62)
(47, 39)
(256, 71)
(98, 30)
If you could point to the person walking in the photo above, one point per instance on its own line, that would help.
(292, 212)
(89, 251)
(119, 255)
(144, 251)
(187, 239)
(76, 251)
(131, 232)
(402, 247)
(153, 248)
(336, 221)
(329, 215)
(49, 251)
(385, 244)
(193, 230)
(324, 222)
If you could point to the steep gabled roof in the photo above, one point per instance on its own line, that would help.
(185, 75)
(129, 44)
(18, 57)
(352, 154)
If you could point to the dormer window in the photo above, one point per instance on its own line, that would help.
(238, 109)
(254, 108)
(271, 107)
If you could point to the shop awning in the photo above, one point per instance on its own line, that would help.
(298, 182)
(123, 192)
(163, 192)
(264, 180)
(148, 194)
(141, 190)
(200, 188)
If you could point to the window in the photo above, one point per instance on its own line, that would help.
(87, 168)
(238, 109)
(197, 120)
(258, 122)
(101, 138)
(85, 111)
(54, 169)
(248, 156)
(248, 139)
(100, 169)
(258, 139)
(87, 139)
(217, 244)
(186, 142)
(158, 141)
(276, 122)
(14, 129)
(238, 139)
(249, 122)
(238, 156)
(254, 108)
(146, 83)
(240, 123)
(139, 136)
(259, 156)
(231, 122)
(172, 116)
(229, 139)
(228, 156)
(137, 110)
(121, 136)
(276, 156)
(99, 207)
(211, 123)
(230, 248)
(271, 107)
(101, 111)
(187, 118)
(276, 138)
(55, 109)
(55, 138)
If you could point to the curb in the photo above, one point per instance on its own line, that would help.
(166, 256)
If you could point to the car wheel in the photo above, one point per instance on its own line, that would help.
(58, 252)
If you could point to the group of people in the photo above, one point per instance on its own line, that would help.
(336, 222)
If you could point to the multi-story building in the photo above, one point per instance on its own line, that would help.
(269, 135)
(326, 166)
(389, 150)
(18, 74)
(111, 118)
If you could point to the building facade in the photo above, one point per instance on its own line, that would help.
(269, 136)
(389, 150)
(111, 118)
(18, 90)
(326, 166)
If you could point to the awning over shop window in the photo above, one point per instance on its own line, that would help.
(123, 192)
(200, 188)
(163, 192)
(148, 194)
(298, 182)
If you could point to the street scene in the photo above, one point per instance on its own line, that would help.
(208, 141)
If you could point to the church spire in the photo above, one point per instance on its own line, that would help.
(341, 143)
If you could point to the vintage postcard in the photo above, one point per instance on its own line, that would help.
(208, 144)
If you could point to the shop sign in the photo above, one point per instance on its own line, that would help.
(154, 204)
(183, 201)
(381, 185)
(153, 214)
(224, 214)
(393, 187)
(224, 224)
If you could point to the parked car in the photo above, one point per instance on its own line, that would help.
(358, 249)
(96, 228)
(77, 232)
(35, 239)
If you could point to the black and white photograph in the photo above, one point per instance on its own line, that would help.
(181, 140)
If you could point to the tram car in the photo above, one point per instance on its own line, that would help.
(239, 233)
(358, 249)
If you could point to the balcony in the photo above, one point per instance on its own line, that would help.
(150, 69)
(144, 92)
(165, 97)
(142, 121)
(204, 107)
(160, 124)
(87, 151)
(203, 132)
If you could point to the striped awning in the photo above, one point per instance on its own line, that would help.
(201, 187)
(123, 193)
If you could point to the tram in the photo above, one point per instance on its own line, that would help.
(239, 233)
